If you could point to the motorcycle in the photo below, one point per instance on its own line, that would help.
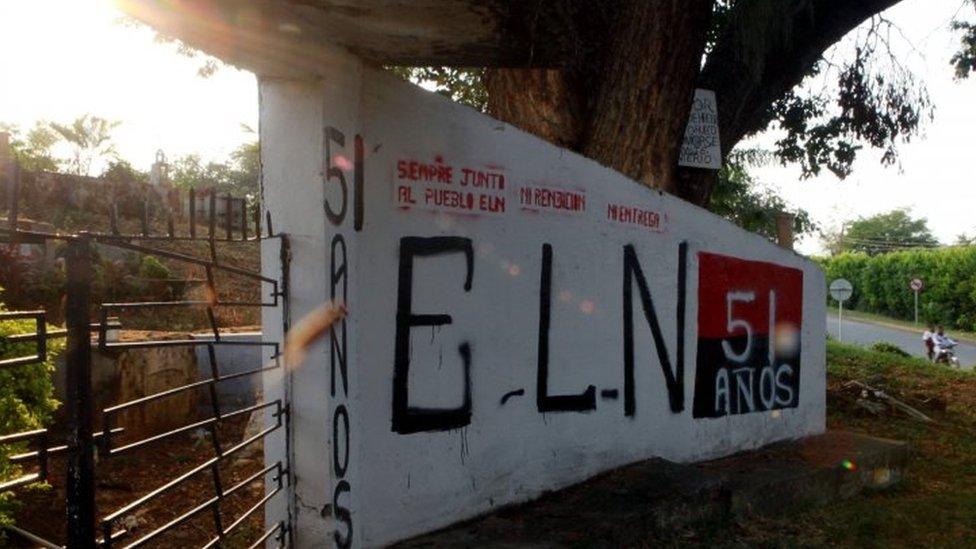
(946, 355)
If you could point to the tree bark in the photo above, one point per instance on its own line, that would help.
(627, 104)
(646, 87)
(544, 102)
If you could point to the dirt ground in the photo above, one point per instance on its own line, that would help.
(124, 478)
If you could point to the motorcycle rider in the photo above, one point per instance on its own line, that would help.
(943, 345)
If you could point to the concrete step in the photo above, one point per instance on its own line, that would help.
(630, 504)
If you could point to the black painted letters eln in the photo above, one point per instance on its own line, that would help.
(674, 379)
(411, 419)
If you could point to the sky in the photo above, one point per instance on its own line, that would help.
(935, 175)
(84, 61)
(81, 61)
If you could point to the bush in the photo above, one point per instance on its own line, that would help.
(150, 267)
(26, 398)
(881, 283)
(889, 348)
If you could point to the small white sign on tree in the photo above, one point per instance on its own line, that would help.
(701, 147)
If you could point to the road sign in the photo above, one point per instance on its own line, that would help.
(841, 289)
(916, 286)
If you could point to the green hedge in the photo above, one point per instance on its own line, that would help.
(26, 399)
(881, 284)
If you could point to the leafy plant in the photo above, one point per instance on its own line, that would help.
(150, 267)
(26, 398)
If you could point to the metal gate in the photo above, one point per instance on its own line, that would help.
(94, 436)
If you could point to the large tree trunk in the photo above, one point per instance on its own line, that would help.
(625, 102)
(638, 120)
(544, 102)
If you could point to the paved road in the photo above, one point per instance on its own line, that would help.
(864, 333)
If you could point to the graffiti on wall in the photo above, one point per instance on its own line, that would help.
(749, 314)
(746, 358)
(336, 209)
(749, 319)
(748, 352)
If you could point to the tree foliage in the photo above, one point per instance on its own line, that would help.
(208, 65)
(461, 85)
(121, 171)
(874, 101)
(885, 232)
(964, 60)
(33, 150)
(90, 138)
(881, 283)
(877, 103)
(738, 198)
(239, 176)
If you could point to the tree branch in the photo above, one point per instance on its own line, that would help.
(749, 72)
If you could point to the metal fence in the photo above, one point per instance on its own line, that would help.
(97, 433)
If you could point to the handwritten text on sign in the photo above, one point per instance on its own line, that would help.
(701, 148)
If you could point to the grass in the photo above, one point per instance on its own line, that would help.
(935, 506)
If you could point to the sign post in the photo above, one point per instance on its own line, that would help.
(841, 289)
(916, 286)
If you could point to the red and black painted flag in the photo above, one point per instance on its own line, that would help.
(749, 319)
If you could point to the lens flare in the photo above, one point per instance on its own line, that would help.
(342, 162)
(849, 465)
(787, 339)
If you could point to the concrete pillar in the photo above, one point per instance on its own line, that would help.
(309, 197)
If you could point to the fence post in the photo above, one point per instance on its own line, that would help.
(10, 177)
(229, 216)
(5, 159)
(13, 195)
(80, 482)
(193, 213)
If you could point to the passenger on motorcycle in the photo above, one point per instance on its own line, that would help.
(928, 338)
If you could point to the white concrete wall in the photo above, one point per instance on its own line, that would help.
(414, 468)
